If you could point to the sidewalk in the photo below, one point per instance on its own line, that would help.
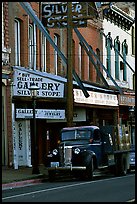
(23, 176)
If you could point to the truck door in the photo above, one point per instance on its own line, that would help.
(97, 147)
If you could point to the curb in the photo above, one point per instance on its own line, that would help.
(21, 183)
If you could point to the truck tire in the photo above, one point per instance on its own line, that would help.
(121, 165)
(124, 166)
(89, 163)
(51, 174)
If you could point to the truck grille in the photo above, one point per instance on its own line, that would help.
(65, 155)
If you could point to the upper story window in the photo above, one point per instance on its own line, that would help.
(32, 46)
(117, 48)
(17, 42)
(134, 82)
(98, 65)
(73, 53)
(80, 58)
(44, 53)
(133, 40)
(124, 52)
(109, 47)
(91, 67)
(56, 57)
(2, 28)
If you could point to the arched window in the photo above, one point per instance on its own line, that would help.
(98, 65)
(91, 68)
(80, 59)
(2, 28)
(73, 54)
(134, 82)
(32, 46)
(17, 42)
(109, 47)
(124, 51)
(117, 48)
(44, 53)
(133, 40)
(56, 57)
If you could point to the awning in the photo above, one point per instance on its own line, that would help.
(52, 77)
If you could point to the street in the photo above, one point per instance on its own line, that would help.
(108, 189)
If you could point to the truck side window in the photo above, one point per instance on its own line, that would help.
(97, 135)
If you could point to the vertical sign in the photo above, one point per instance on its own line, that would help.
(28, 143)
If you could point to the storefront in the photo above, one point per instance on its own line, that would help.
(127, 113)
(101, 107)
(49, 107)
(50, 114)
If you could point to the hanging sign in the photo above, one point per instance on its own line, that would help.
(55, 14)
(96, 98)
(48, 88)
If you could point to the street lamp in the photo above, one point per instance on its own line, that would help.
(35, 169)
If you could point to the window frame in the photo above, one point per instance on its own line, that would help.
(17, 32)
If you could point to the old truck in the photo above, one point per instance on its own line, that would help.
(83, 150)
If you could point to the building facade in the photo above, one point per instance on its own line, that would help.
(119, 59)
(33, 59)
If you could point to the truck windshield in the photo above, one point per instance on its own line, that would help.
(75, 135)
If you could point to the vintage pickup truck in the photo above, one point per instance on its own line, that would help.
(84, 149)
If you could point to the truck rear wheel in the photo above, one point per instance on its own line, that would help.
(124, 166)
(121, 165)
(89, 163)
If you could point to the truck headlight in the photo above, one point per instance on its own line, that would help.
(55, 152)
(77, 151)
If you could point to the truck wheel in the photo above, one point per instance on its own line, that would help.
(88, 173)
(121, 165)
(124, 166)
(51, 175)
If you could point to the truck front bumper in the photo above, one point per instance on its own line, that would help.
(71, 168)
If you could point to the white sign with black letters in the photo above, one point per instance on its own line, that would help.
(97, 98)
(40, 113)
(47, 87)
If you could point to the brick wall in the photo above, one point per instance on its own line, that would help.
(6, 24)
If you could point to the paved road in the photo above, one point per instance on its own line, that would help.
(110, 189)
